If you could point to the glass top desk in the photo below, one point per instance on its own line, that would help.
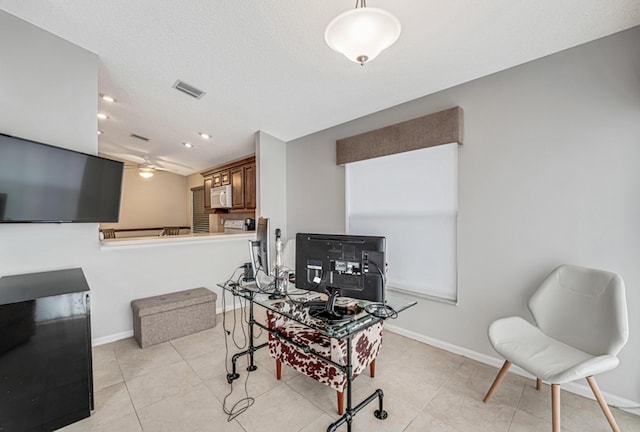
(292, 307)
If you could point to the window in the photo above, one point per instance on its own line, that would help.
(200, 222)
(411, 198)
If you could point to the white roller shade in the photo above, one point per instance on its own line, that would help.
(410, 198)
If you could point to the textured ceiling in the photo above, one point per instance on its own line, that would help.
(265, 66)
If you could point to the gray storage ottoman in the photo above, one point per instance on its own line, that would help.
(169, 316)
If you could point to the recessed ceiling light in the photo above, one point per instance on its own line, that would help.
(107, 98)
(204, 135)
(99, 132)
(187, 145)
(102, 116)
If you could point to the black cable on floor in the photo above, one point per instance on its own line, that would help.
(243, 404)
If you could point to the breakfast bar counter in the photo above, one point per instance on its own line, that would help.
(158, 241)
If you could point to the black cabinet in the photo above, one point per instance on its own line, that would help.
(45, 351)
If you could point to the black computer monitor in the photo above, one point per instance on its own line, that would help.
(341, 265)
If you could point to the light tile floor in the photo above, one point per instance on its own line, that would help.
(181, 386)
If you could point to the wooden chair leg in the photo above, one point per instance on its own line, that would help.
(538, 384)
(603, 405)
(555, 407)
(278, 369)
(372, 368)
(497, 381)
(340, 403)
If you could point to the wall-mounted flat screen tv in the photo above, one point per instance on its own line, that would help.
(43, 183)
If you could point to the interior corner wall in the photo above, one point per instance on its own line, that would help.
(271, 159)
(548, 174)
(315, 184)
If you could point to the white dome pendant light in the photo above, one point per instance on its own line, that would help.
(362, 33)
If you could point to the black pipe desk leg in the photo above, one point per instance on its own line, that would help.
(351, 411)
(249, 351)
(234, 375)
(380, 413)
(251, 366)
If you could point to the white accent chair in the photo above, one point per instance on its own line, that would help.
(581, 324)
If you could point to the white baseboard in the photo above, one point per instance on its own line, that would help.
(129, 333)
(572, 387)
(112, 338)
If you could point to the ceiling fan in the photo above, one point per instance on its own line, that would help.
(146, 169)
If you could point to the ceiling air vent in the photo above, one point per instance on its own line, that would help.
(140, 137)
(188, 89)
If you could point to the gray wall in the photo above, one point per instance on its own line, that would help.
(548, 174)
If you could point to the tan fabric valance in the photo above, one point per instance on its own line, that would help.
(439, 128)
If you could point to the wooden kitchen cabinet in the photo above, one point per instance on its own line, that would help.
(216, 179)
(221, 178)
(250, 186)
(207, 194)
(241, 175)
(237, 187)
(226, 178)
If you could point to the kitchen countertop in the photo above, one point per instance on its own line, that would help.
(151, 241)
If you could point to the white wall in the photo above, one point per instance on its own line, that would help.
(271, 165)
(48, 87)
(154, 202)
(48, 93)
(548, 174)
(117, 276)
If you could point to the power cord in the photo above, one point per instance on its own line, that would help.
(246, 320)
(244, 403)
(381, 310)
(242, 321)
(305, 293)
